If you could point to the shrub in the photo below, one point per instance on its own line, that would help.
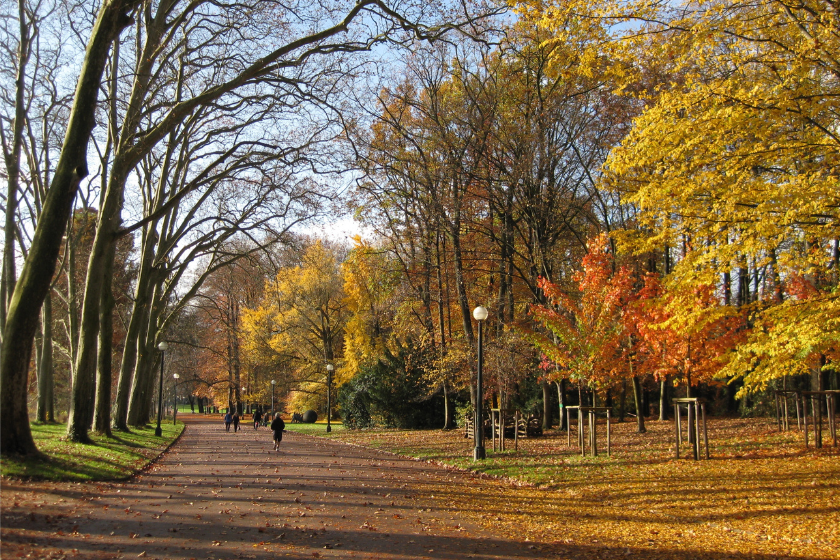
(390, 393)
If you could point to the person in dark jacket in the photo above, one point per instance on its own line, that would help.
(235, 421)
(277, 426)
(257, 419)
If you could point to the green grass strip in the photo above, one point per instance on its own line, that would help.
(115, 458)
(316, 429)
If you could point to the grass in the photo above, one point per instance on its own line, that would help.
(114, 458)
(316, 429)
(548, 460)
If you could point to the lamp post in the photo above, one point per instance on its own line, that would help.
(162, 346)
(273, 383)
(175, 376)
(480, 314)
(330, 369)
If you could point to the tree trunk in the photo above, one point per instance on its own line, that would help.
(72, 302)
(99, 267)
(148, 372)
(463, 303)
(143, 380)
(38, 268)
(46, 375)
(547, 408)
(146, 281)
(12, 161)
(102, 417)
(461, 288)
(637, 397)
(447, 412)
(623, 405)
(108, 224)
(561, 400)
(663, 399)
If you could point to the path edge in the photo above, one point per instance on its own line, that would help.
(153, 461)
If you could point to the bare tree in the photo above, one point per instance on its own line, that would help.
(40, 263)
(234, 35)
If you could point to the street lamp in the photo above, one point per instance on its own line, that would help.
(162, 347)
(480, 314)
(175, 376)
(330, 369)
(273, 383)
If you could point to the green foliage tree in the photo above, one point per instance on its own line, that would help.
(390, 393)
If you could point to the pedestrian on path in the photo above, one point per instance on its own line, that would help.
(257, 418)
(235, 421)
(277, 426)
(228, 420)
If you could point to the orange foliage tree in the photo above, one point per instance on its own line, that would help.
(686, 335)
(585, 335)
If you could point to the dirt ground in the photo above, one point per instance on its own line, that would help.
(219, 495)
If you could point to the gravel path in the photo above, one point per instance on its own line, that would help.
(224, 495)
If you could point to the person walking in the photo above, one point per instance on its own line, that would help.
(257, 418)
(277, 426)
(235, 422)
(228, 420)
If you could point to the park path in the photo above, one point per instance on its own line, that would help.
(224, 495)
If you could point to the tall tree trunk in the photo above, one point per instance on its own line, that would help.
(46, 374)
(131, 380)
(441, 296)
(637, 398)
(461, 288)
(463, 302)
(12, 161)
(72, 301)
(108, 224)
(38, 268)
(139, 317)
(102, 416)
(142, 388)
(100, 263)
(148, 371)
(237, 365)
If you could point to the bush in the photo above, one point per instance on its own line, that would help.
(390, 393)
(462, 412)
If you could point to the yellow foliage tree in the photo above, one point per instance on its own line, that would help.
(300, 324)
(735, 156)
(369, 283)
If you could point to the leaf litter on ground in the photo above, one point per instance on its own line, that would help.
(762, 494)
